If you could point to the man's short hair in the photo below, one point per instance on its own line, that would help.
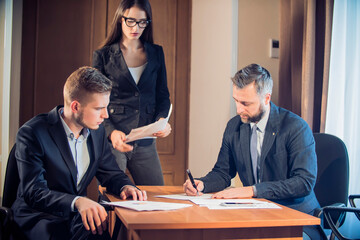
(85, 81)
(254, 73)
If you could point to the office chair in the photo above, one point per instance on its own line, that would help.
(9, 229)
(332, 184)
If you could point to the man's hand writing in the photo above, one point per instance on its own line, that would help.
(190, 190)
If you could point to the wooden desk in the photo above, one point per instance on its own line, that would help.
(201, 223)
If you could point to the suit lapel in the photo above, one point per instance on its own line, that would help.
(271, 130)
(57, 132)
(119, 63)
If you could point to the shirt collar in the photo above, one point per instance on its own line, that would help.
(84, 132)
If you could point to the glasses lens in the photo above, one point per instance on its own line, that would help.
(143, 24)
(130, 22)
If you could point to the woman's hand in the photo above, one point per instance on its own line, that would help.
(165, 132)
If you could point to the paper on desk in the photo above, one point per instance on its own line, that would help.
(216, 201)
(242, 203)
(147, 205)
(205, 200)
(148, 130)
(183, 196)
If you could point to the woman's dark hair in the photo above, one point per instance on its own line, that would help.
(115, 33)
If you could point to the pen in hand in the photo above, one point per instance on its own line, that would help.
(192, 180)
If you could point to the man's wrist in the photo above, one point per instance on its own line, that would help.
(73, 209)
(254, 190)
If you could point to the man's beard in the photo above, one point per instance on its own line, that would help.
(80, 121)
(256, 118)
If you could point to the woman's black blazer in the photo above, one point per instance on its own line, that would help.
(132, 105)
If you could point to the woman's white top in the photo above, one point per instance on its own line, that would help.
(136, 72)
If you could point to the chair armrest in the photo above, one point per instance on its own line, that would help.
(342, 211)
(319, 211)
(6, 219)
(352, 198)
(6, 215)
(352, 203)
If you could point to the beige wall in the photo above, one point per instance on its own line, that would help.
(2, 24)
(210, 85)
(213, 62)
(2, 35)
(259, 21)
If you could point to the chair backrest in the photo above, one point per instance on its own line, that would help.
(11, 180)
(11, 229)
(332, 184)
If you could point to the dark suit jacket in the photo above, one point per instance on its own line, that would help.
(288, 164)
(48, 173)
(132, 105)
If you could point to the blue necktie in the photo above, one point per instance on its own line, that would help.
(253, 152)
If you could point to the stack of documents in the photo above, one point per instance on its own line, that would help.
(206, 201)
(234, 203)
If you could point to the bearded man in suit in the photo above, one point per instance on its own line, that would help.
(272, 149)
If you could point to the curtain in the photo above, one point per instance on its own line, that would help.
(305, 33)
(343, 111)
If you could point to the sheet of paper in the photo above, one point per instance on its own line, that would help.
(148, 130)
(183, 196)
(147, 205)
(209, 201)
(244, 206)
(233, 203)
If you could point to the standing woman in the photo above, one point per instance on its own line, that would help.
(140, 95)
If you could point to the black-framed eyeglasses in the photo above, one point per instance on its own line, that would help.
(131, 22)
